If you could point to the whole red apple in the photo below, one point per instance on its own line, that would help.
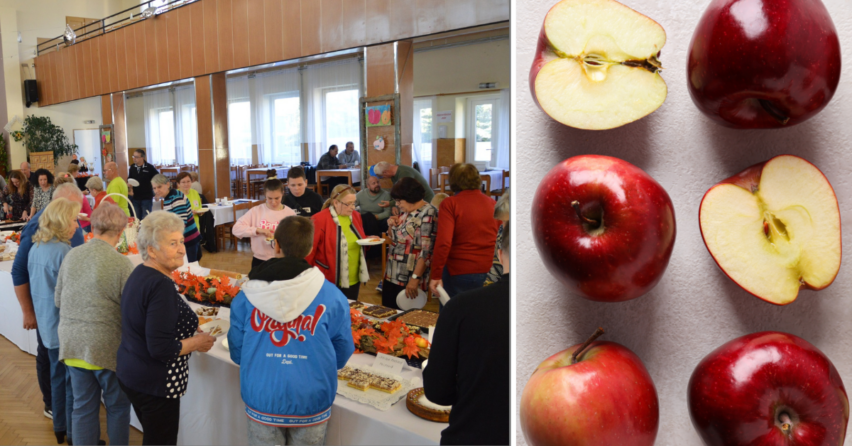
(768, 389)
(603, 227)
(763, 63)
(604, 397)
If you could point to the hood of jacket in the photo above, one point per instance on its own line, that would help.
(283, 288)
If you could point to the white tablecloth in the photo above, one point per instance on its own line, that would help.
(356, 174)
(221, 214)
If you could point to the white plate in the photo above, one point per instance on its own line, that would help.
(133, 182)
(369, 242)
(442, 295)
(225, 344)
(405, 304)
(203, 210)
(82, 215)
(208, 327)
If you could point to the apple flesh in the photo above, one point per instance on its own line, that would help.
(605, 398)
(763, 64)
(596, 64)
(603, 227)
(768, 389)
(774, 228)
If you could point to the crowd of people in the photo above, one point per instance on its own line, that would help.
(107, 329)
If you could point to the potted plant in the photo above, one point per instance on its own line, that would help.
(41, 135)
(4, 157)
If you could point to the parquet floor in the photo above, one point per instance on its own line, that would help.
(21, 419)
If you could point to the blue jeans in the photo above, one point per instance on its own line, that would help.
(192, 250)
(143, 207)
(261, 434)
(63, 397)
(461, 282)
(87, 385)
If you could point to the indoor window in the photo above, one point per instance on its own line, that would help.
(482, 131)
(341, 118)
(239, 131)
(287, 137)
(166, 121)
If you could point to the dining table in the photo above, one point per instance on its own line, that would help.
(260, 173)
(492, 180)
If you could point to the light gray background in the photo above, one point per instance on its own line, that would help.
(695, 308)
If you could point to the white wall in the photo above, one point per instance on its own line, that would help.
(695, 307)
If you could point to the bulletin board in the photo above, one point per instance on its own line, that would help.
(380, 142)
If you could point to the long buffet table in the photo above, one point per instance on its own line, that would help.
(212, 411)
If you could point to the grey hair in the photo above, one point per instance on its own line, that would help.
(506, 246)
(153, 227)
(160, 179)
(95, 183)
(381, 167)
(108, 219)
(69, 191)
(503, 208)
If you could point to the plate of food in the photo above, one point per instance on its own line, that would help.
(378, 311)
(370, 241)
(419, 405)
(207, 311)
(216, 327)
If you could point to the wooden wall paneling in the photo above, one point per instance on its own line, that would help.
(131, 55)
(53, 78)
(431, 16)
(173, 49)
(120, 134)
(211, 39)
(403, 19)
(273, 11)
(204, 112)
(222, 156)
(184, 16)
(378, 21)
(240, 19)
(226, 34)
(62, 60)
(73, 74)
(98, 66)
(141, 38)
(405, 64)
(103, 62)
(331, 37)
(121, 59)
(81, 77)
(354, 23)
(112, 69)
(311, 27)
(257, 32)
(84, 67)
(380, 72)
(41, 65)
(291, 26)
(162, 40)
(196, 12)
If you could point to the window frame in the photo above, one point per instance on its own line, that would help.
(324, 125)
(470, 125)
(271, 98)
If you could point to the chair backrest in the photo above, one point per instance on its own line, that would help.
(487, 180)
(433, 177)
(243, 207)
(505, 176)
(444, 169)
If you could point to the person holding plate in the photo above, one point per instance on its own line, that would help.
(259, 222)
(412, 235)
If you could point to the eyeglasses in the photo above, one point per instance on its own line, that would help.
(349, 205)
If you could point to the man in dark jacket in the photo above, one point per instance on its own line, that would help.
(330, 161)
(300, 199)
(142, 196)
(469, 363)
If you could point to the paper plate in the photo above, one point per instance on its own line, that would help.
(133, 182)
(221, 323)
(442, 295)
(405, 304)
(369, 242)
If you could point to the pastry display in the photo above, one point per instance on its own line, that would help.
(356, 305)
(207, 311)
(346, 373)
(387, 385)
(393, 338)
(361, 383)
(419, 318)
(362, 380)
(417, 404)
(379, 311)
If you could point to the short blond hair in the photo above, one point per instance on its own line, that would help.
(339, 192)
(56, 219)
(73, 168)
(62, 178)
(438, 198)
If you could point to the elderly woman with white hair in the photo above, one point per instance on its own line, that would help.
(158, 330)
(51, 243)
(88, 295)
(176, 202)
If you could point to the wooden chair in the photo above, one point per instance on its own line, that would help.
(225, 230)
(433, 179)
(502, 190)
(487, 180)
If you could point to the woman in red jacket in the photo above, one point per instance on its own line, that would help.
(336, 252)
(467, 232)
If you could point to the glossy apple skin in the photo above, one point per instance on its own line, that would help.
(631, 255)
(734, 392)
(606, 398)
(788, 54)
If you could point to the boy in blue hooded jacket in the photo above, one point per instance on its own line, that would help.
(290, 333)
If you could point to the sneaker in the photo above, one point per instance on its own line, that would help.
(48, 413)
(379, 287)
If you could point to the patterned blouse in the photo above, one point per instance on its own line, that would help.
(41, 198)
(411, 240)
(20, 203)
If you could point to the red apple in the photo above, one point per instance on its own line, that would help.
(603, 227)
(774, 228)
(763, 64)
(768, 389)
(596, 64)
(604, 397)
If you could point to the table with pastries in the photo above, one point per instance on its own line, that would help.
(212, 411)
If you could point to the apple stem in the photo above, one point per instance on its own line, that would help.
(576, 205)
(774, 111)
(786, 422)
(585, 345)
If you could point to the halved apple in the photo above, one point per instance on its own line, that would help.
(774, 228)
(596, 64)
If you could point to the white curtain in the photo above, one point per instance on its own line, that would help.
(504, 127)
(186, 125)
(240, 135)
(156, 138)
(277, 108)
(330, 93)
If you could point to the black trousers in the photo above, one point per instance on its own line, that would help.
(389, 293)
(373, 226)
(351, 293)
(43, 373)
(159, 416)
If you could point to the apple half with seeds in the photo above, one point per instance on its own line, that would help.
(596, 65)
(774, 228)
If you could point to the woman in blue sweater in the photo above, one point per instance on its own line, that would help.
(175, 201)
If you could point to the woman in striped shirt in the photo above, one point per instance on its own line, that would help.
(176, 202)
